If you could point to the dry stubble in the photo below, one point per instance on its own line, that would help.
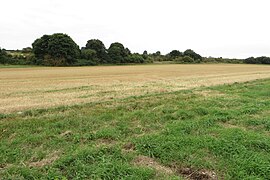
(44, 87)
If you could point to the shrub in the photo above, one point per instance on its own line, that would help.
(135, 58)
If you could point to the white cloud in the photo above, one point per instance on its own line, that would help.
(227, 28)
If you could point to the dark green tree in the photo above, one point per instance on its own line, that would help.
(40, 46)
(100, 49)
(145, 54)
(188, 59)
(118, 53)
(158, 53)
(27, 50)
(193, 55)
(258, 60)
(3, 56)
(56, 50)
(175, 53)
(135, 58)
(88, 54)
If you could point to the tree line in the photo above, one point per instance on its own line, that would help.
(60, 50)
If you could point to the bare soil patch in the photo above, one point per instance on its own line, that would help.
(47, 161)
(151, 163)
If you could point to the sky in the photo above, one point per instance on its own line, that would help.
(218, 28)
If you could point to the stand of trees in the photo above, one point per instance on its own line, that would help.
(16, 57)
(60, 50)
(188, 56)
(258, 60)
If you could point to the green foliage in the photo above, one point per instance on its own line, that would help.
(185, 59)
(158, 57)
(16, 57)
(88, 57)
(175, 54)
(145, 54)
(56, 50)
(27, 50)
(192, 54)
(222, 60)
(99, 47)
(258, 60)
(118, 53)
(3, 56)
(60, 50)
(135, 58)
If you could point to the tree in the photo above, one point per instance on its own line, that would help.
(192, 54)
(40, 46)
(250, 60)
(158, 53)
(100, 49)
(145, 54)
(118, 53)
(187, 59)
(27, 50)
(135, 58)
(89, 54)
(2, 56)
(258, 60)
(56, 50)
(128, 51)
(175, 53)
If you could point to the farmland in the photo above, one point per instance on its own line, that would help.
(135, 122)
(32, 88)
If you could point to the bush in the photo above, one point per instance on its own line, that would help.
(135, 58)
(85, 62)
(89, 54)
(185, 59)
(222, 60)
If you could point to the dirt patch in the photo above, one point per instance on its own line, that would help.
(105, 142)
(66, 133)
(192, 174)
(150, 162)
(47, 161)
(5, 166)
(188, 173)
(129, 147)
(231, 126)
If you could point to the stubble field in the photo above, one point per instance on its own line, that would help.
(31, 88)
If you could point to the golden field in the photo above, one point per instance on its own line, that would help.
(44, 87)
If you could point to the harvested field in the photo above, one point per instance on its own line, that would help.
(30, 88)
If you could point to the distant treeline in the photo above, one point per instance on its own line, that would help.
(60, 50)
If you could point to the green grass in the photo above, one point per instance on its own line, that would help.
(17, 66)
(222, 129)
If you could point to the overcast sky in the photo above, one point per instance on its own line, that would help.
(226, 28)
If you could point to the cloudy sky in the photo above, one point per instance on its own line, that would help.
(226, 28)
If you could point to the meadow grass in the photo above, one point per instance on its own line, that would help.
(219, 132)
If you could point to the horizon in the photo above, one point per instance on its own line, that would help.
(225, 29)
